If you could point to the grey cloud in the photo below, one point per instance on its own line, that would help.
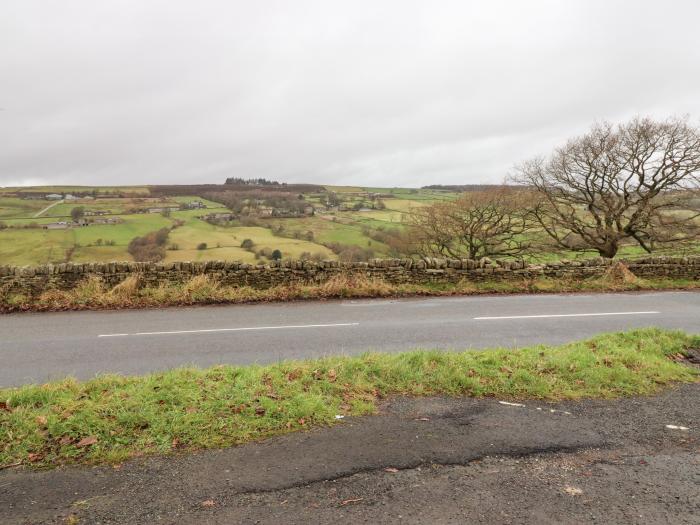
(394, 92)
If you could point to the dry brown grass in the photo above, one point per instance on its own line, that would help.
(354, 286)
(619, 273)
(127, 289)
(202, 289)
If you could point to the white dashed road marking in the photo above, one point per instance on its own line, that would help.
(243, 329)
(545, 316)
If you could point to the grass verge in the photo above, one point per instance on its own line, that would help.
(92, 293)
(112, 418)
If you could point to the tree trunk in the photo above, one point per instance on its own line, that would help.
(609, 251)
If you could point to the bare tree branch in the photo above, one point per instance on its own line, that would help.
(636, 182)
(477, 224)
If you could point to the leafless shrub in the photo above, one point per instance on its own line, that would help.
(478, 224)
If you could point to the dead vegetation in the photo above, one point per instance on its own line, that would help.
(93, 293)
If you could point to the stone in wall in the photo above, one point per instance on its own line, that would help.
(34, 280)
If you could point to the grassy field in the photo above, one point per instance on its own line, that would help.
(112, 206)
(11, 207)
(35, 246)
(328, 229)
(27, 246)
(224, 243)
(112, 418)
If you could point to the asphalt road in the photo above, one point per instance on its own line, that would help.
(39, 347)
(421, 460)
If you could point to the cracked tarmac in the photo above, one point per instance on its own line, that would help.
(422, 460)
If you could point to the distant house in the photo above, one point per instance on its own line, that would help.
(308, 210)
(70, 197)
(108, 220)
(62, 225)
(217, 217)
(89, 213)
(54, 197)
(265, 211)
(162, 209)
(195, 205)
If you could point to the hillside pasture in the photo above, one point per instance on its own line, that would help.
(25, 247)
(123, 233)
(110, 242)
(11, 207)
(224, 243)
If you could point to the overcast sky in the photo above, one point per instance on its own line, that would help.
(378, 92)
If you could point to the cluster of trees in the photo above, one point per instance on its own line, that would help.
(77, 213)
(252, 182)
(103, 242)
(241, 202)
(150, 247)
(332, 199)
(350, 253)
(200, 190)
(269, 253)
(635, 183)
(477, 224)
(398, 241)
(308, 256)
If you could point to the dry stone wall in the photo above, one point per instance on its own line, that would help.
(34, 280)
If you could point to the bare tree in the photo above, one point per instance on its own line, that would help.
(477, 224)
(631, 183)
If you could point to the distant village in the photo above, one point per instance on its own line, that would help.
(265, 205)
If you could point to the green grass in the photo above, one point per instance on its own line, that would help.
(347, 230)
(123, 233)
(344, 189)
(114, 206)
(112, 418)
(223, 243)
(191, 198)
(386, 216)
(27, 247)
(86, 254)
(12, 207)
(33, 246)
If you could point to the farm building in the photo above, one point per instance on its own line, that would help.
(62, 225)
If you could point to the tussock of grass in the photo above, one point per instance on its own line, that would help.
(353, 286)
(202, 289)
(112, 418)
(618, 273)
(127, 289)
